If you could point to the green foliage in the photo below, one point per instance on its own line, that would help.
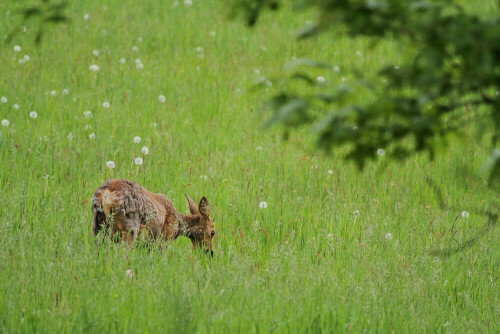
(454, 65)
(44, 12)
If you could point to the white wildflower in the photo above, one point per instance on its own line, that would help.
(336, 68)
(65, 91)
(26, 58)
(3, 99)
(53, 93)
(130, 273)
(87, 114)
(110, 164)
(144, 150)
(139, 66)
(139, 39)
(381, 152)
(5, 122)
(16, 106)
(94, 68)
(95, 53)
(137, 139)
(259, 148)
(92, 135)
(138, 161)
(135, 48)
(356, 213)
(17, 48)
(465, 214)
(204, 177)
(199, 49)
(188, 2)
(70, 136)
(212, 33)
(33, 114)
(388, 236)
(86, 17)
(161, 98)
(320, 79)
(122, 60)
(263, 205)
(105, 104)
(330, 172)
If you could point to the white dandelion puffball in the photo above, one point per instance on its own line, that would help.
(65, 91)
(17, 48)
(336, 68)
(320, 79)
(188, 2)
(212, 34)
(465, 214)
(144, 150)
(86, 17)
(137, 139)
(21, 61)
(3, 99)
(204, 177)
(110, 164)
(388, 236)
(330, 172)
(138, 161)
(356, 213)
(16, 106)
(344, 79)
(259, 148)
(95, 53)
(139, 39)
(87, 114)
(70, 136)
(122, 60)
(139, 66)
(33, 114)
(53, 93)
(161, 98)
(381, 152)
(263, 205)
(138, 61)
(199, 49)
(87, 127)
(94, 68)
(26, 58)
(105, 104)
(5, 122)
(130, 273)
(92, 136)
(135, 48)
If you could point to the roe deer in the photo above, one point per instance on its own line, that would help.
(126, 208)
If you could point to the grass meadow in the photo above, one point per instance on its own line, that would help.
(394, 248)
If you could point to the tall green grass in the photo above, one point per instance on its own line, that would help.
(336, 249)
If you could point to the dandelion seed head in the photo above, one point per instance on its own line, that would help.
(212, 33)
(122, 60)
(87, 114)
(199, 49)
(17, 48)
(95, 53)
(86, 17)
(110, 164)
(188, 2)
(92, 136)
(138, 161)
(381, 152)
(259, 148)
(135, 48)
(161, 98)
(144, 150)
(3, 99)
(65, 91)
(137, 139)
(359, 54)
(105, 104)
(16, 106)
(139, 66)
(130, 273)
(330, 172)
(26, 58)
(388, 236)
(204, 177)
(5, 122)
(320, 79)
(336, 68)
(263, 205)
(70, 136)
(33, 114)
(94, 68)
(465, 214)
(53, 93)
(356, 213)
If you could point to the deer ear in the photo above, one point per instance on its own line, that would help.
(204, 207)
(193, 208)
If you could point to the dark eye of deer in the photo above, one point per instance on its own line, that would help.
(212, 234)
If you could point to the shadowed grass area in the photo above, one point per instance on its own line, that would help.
(389, 249)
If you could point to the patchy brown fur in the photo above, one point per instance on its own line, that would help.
(125, 208)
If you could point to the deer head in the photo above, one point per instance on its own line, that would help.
(200, 228)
